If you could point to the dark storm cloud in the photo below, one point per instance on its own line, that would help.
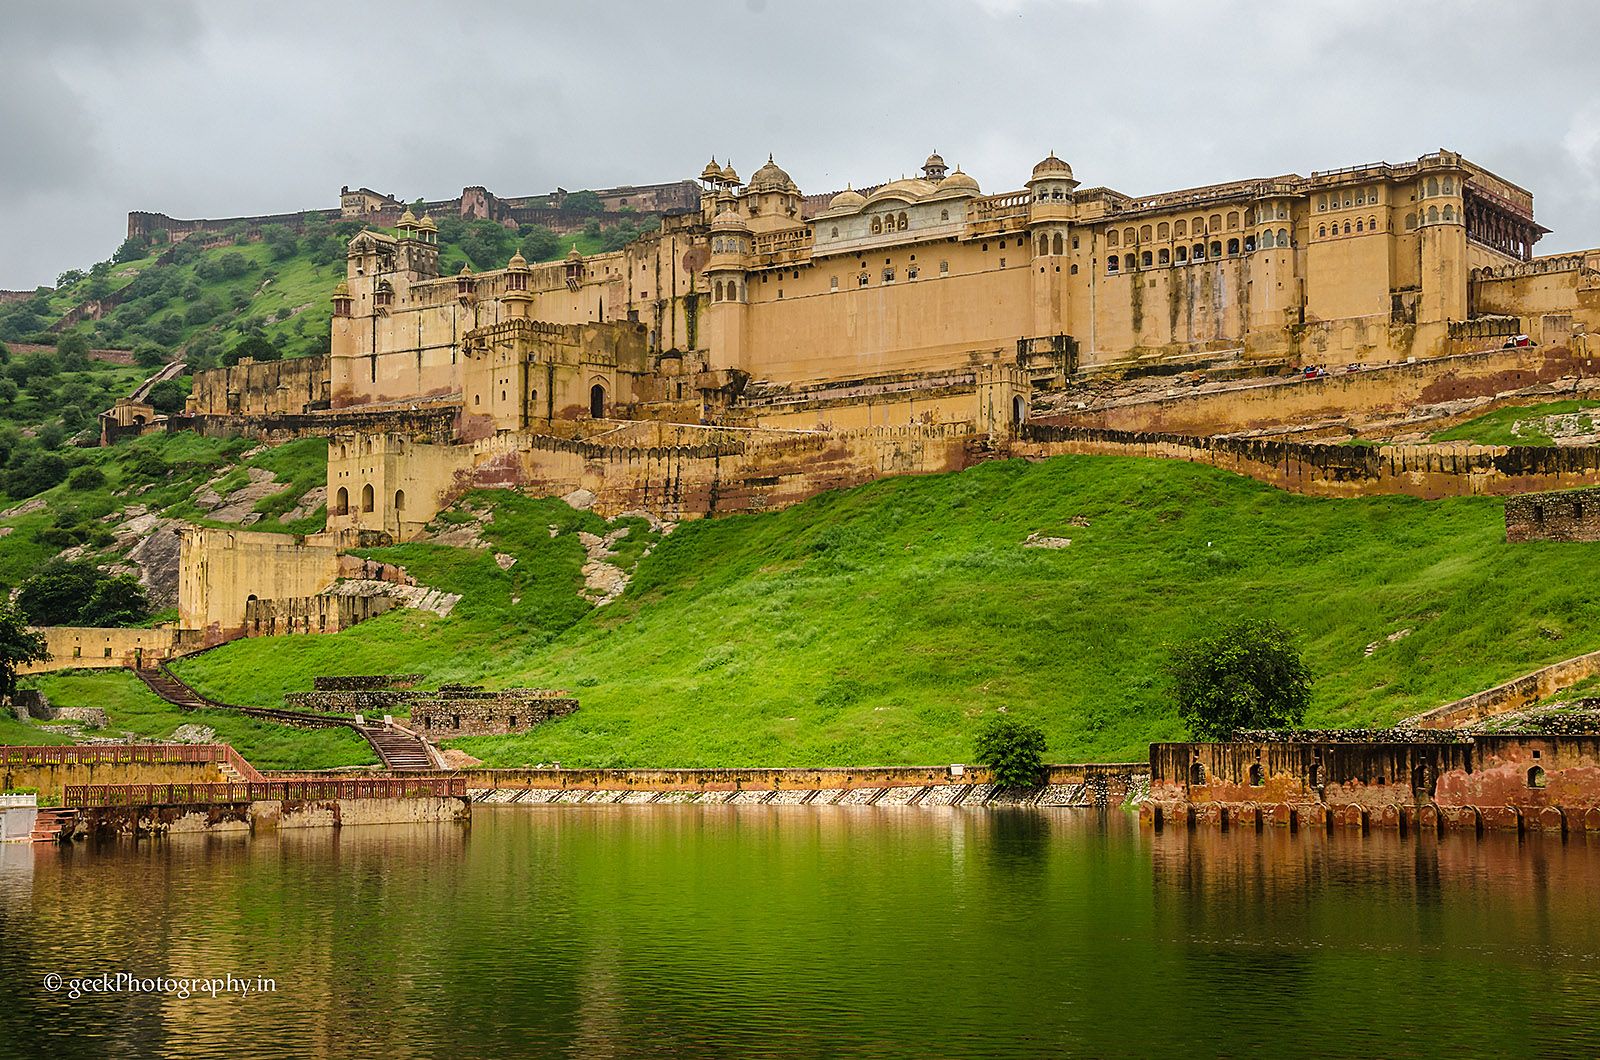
(224, 108)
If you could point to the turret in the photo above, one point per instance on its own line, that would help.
(732, 244)
(518, 300)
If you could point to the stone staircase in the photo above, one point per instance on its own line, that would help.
(54, 825)
(172, 690)
(399, 750)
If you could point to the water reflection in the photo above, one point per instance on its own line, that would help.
(801, 931)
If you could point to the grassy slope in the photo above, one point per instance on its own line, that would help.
(1517, 425)
(191, 461)
(131, 707)
(880, 624)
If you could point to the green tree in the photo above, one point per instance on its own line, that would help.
(117, 600)
(582, 202)
(1014, 750)
(540, 244)
(255, 347)
(85, 478)
(1247, 676)
(72, 352)
(149, 355)
(168, 396)
(35, 474)
(19, 646)
(56, 594)
(281, 240)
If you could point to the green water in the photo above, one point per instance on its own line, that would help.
(809, 932)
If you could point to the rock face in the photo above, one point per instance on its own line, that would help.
(603, 581)
(309, 502)
(153, 546)
(420, 597)
(239, 505)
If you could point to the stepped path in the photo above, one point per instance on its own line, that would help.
(397, 748)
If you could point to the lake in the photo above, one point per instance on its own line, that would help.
(633, 931)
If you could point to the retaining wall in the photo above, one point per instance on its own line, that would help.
(255, 817)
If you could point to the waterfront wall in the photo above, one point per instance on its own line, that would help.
(1509, 782)
(267, 815)
(51, 779)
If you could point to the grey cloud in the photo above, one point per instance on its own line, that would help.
(208, 109)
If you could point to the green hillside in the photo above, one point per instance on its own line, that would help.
(879, 625)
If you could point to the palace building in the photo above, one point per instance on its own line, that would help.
(920, 303)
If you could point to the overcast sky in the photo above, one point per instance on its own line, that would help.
(208, 109)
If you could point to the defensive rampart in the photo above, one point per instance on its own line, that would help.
(1387, 388)
(1430, 471)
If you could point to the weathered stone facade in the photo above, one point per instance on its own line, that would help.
(1426, 781)
(1570, 515)
(460, 711)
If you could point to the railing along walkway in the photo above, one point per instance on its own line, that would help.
(100, 795)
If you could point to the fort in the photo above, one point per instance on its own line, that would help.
(377, 208)
(763, 345)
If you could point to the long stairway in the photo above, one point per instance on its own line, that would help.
(399, 750)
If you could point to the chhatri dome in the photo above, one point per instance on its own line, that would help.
(959, 181)
(771, 177)
(1052, 166)
(728, 175)
(712, 172)
(848, 199)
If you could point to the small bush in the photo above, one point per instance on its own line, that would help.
(87, 477)
(1014, 750)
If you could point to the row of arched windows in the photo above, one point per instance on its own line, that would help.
(341, 500)
(1436, 187)
(889, 223)
(733, 291)
(729, 245)
(1352, 197)
(1177, 230)
(1356, 227)
(1182, 255)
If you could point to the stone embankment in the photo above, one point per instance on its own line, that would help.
(1094, 785)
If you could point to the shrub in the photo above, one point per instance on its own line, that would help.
(149, 355)
(168, 396)
(1248, 676)
(35, 474)
(87, 477)
(1014, 750)
(78, 593)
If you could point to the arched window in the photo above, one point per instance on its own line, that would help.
(1322, 203)
(341, 502)
(1183, 255)
(835, 233)
(1283, 237)
(1056, 245)
(1197, 773)
(1233, 246)
(1322, 231)
(597, 402)
(1216, 248)
(1361, 197)
(1144, 233)
(1347, 228)
(1536, 777)
(1372, 224)
(1128, 237)
(1433, 214)
(1358, 224)
(1145, 260)
(1215, 223)
(1249, 244)
(1164, 257)
(1044, 244)
(1163, 231)
(1233, 220)
(1411, 221)
(944, 215)
(1111, 264)
(863, 280)
(1198, 253)
(833, 283)
(1127, 262)
(1199, 226)
(344, 451)
(1112, 238)
(902, 222)
(1266, 240)
(1180, 228)
(1257, 776)
(366, 497)
(1433, 186)
(1449, 212)
(717, 297)
(877, 225)
(944, 268)
(1283, 211)
(399, 500)
(1449, 186)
